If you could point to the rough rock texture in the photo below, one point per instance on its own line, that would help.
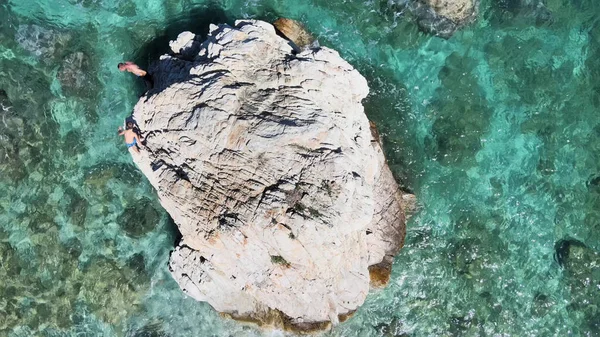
(439, 17)
(459, 11)
(267, 163)
(183, 42)
(294, 31)
(186, 46)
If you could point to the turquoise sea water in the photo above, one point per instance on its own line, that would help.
(496, 130)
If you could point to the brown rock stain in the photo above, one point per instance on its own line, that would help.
(346, 316)
(273, 318)
(293, 31)
(379, 275)
(374, 133)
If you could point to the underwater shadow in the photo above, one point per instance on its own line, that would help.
(197, 20)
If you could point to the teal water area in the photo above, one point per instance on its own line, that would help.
(495, 130)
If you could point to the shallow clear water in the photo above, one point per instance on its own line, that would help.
(495, 130)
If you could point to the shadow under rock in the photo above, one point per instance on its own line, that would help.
(196, 20)
(174, 232)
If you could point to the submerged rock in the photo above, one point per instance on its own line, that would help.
(266, 162)
(5, 104)
(581, 276)
(139, 219)
(459, 11)
(43, 43)
(440, 17)
(75, 75)
(534, 9)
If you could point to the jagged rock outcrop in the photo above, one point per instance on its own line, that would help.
(269, 167)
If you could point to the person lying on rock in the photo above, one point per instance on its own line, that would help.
(132, 140)
(137, 71)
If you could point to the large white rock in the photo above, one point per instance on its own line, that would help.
(268, 166)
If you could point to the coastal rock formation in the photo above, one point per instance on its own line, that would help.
(459, 11)
(268, 165)
(440, 17)
(294, 31)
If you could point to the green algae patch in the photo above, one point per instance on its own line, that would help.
(99, 175)
(279, 260)
(43, 291)
(111, 291)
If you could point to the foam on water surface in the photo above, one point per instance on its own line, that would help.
(495, 130)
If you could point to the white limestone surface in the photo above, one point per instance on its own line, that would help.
(267, 163)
